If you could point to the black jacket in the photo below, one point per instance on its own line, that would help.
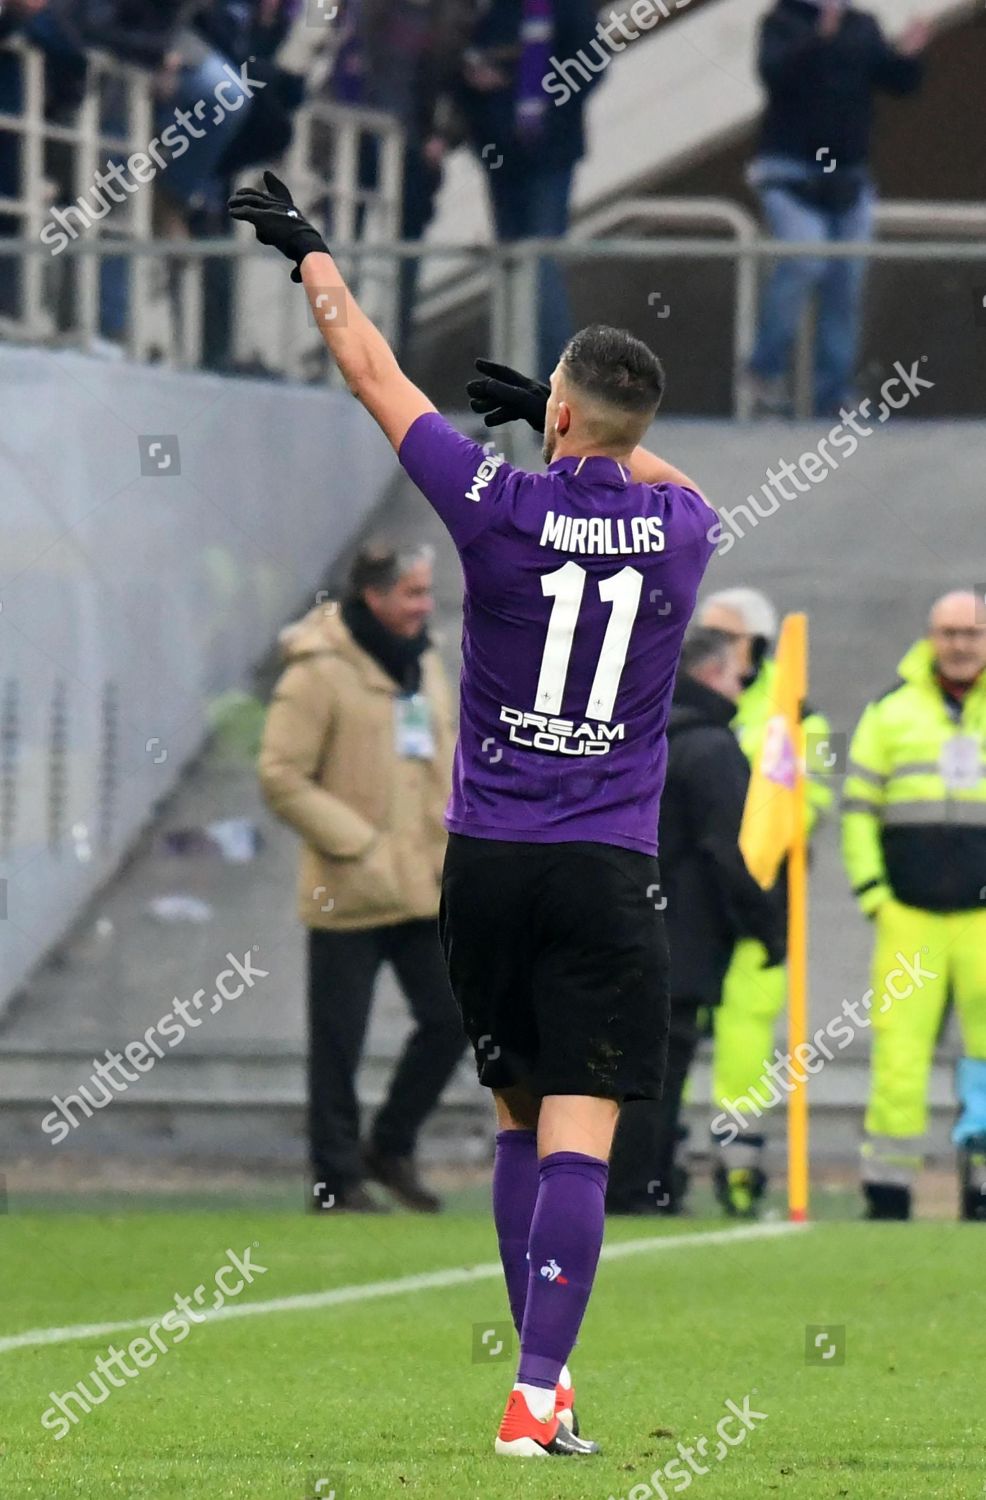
(490, 117)
(820, 90)
(712, 899)
(136, 31)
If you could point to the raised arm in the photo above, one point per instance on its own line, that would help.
(647, 468)
(900, 69)
(367, 362)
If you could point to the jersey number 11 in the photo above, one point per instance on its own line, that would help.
(566, 587)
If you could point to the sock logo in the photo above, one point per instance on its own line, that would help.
(552, 1272)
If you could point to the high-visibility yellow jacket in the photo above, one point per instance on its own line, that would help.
(914, 808)
(750, 726)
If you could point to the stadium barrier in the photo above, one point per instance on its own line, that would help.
(273, 331)
(57, 285)
(158, 529)
(55, 297)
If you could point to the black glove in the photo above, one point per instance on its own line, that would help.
(277, 221)
(503, 395)
(776, 951)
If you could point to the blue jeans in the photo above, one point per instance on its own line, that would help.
(535, 205)
(192, 178)
(839, 286)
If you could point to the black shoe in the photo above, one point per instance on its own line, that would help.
(740, 1190)
(886, 1201)
(400, 1176)
(351, 1200)
(972, 1176)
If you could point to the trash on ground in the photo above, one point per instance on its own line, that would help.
(179, 908)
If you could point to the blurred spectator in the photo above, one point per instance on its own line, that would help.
(357, 757)
(404, 57)
(229, 46)
(914, 846)
(527, 140)
(223, 53)
(44, 23)
(821, 61)
(711, 898)
(249, 34)
(753, 993)
(61, 30)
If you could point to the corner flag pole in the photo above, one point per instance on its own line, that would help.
(797, 878)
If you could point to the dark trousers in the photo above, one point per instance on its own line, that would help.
(532, 204)
(641, 1171)
(342, 972)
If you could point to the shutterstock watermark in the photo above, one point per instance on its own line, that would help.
(729, 1436)
(570, 75)
(815, 465)
(111, 1371)
(789, 1070)
(119, 180)
(143, 1055)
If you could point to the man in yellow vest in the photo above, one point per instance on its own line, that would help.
(753, 996)
(914, 844)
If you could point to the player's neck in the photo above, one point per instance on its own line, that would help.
(580, 451)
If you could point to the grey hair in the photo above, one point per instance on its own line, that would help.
(379, 565)
(754, 609)
(704, 644)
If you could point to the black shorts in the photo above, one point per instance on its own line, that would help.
(558, 961)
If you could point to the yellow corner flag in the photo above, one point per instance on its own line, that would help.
(770, 822)
(774, 828)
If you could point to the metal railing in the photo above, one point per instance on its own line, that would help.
(940, 224)
(698, 213)
(61, 298)
(91, 142)
(511, 273)
(58, 295)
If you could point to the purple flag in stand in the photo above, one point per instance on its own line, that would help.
(537, 35)
(348, 80)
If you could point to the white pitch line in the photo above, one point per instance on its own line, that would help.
(367, 1291)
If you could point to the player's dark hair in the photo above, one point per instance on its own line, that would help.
(704, 644)
(611, 366)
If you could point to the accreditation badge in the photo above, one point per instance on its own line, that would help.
(961, 763)
(414, 727)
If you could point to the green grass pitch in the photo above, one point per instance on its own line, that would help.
(399, 1394)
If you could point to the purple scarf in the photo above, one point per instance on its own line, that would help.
(348, 81)
(537, 36)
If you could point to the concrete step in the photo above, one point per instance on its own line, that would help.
(235, 1103)
(245, 1074)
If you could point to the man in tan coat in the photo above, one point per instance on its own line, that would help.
(357, 756)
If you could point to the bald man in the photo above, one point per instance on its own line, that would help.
(914, 844)
(753, 993)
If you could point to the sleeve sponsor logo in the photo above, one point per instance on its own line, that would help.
(484, 477)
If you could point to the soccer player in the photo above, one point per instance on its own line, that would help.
(579, 584)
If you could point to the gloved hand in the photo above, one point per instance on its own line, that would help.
(277, 221)
(504, 395)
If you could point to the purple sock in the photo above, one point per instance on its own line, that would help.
(515, 1191)
(566, 1238)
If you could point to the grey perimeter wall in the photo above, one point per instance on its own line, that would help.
(155, 530)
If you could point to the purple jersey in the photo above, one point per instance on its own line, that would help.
(579, 585)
